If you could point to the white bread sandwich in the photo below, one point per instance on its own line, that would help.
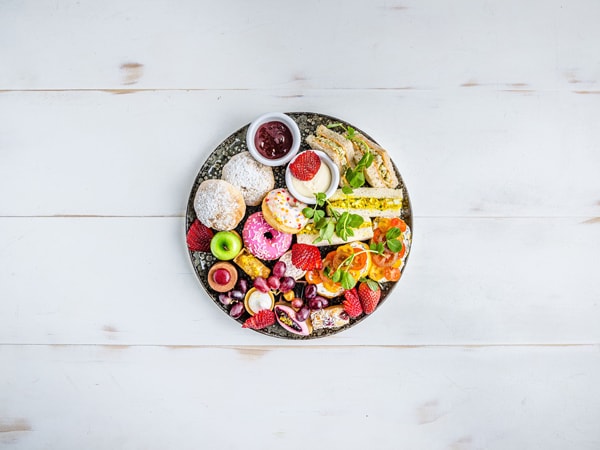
(308, 234)
(368, 202)
(380, 173)
(336, 146)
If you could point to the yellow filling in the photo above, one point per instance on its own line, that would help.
(379, 204)
(310, 227)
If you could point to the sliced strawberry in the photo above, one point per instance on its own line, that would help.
(306, 257)
(306, 165)
(352, 304)
(262, 319)
(369, 294)
(198, 237)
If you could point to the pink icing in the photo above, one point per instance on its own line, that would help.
(264, 241)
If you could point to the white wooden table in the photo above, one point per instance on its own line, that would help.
(491, 110)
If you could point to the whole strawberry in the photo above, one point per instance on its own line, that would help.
(352, 304)
(198, 237)
(306, 165)
(262, 319)
(369, 294)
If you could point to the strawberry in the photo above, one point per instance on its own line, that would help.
(306, 165)
(198, 237)
(262, 319)
(306, 257)
(369, 294)
(352, 304)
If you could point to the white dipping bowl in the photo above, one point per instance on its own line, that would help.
(271, 117)
(335, 179)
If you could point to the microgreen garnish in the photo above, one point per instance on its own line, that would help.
(342, 224)
(356, 176)
(391, 242)
(341, 273)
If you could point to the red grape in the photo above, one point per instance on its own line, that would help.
(261, 284)
(279, 269)
(242, 285)
(236, 310)
(225, 299)
(287, 284)
(273, 282)
(236, 295)
(310, 291)
(297, 303)
(302, 314)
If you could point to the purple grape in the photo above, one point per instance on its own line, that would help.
(297, 303)
(242, 285)
(225, 299)
(302, 314)
(261, 284)
(315, 303)
(279, 269)
(287, 284)
(310, 291)
(273, 282)
(236, 295)
(324, 302)
(237, 310)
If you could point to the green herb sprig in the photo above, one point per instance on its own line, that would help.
(341, 224)
(355, 176)
(341, 273)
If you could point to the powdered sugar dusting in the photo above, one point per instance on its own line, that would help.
(219, 205)
(252, 178)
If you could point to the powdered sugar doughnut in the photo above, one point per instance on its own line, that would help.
(262, 240)
(219, 205)
(252, 178)
(284, 212)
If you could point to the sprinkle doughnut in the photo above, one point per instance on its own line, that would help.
(284, 212)
(262, 240)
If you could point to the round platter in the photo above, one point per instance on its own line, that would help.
(211, 169)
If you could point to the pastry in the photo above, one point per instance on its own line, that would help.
(330, 317)
(284, 212)
(252, 178)
(264, 241)
(222, 276)
(219, 205)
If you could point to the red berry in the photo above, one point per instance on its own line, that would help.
(306, 165)
(262, 319)
(352, 304)
(369, 294)
(306, 257)
(198, 237)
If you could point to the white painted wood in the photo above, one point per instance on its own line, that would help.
(129, 281)
(490, 109)
(97, 397)
(462, 153)
(538, 44)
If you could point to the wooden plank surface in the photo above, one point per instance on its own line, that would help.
(360, 397)
(490, 110)
(462, 153)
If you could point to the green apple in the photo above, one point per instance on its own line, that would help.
(226, 245)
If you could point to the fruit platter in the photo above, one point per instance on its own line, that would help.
(299, 225)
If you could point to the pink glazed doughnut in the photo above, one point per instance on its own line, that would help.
(264, 241)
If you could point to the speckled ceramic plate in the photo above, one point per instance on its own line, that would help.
(211, 169)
